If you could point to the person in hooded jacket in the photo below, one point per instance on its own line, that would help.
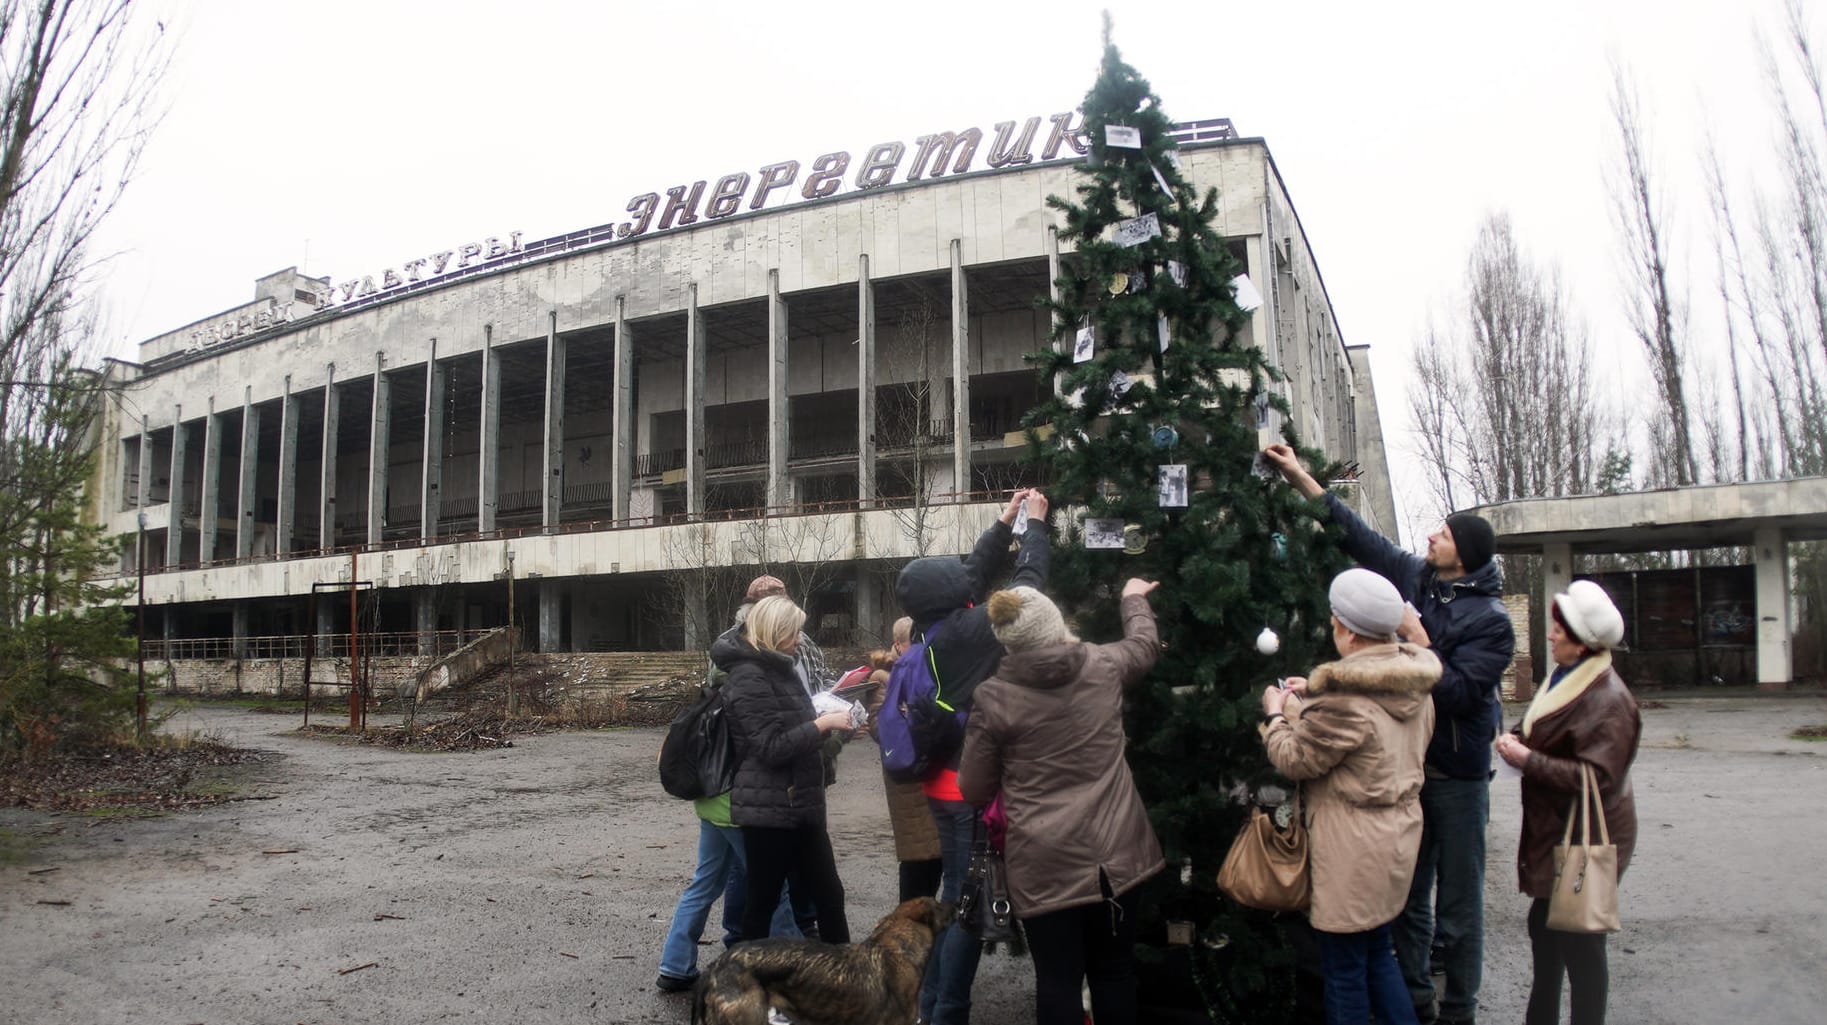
(1355, 741)
(779, 796)
(1455, 594)
(1582, 716)
(944, 596)
(1046, 733)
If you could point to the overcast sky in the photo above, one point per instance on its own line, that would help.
(345, 136)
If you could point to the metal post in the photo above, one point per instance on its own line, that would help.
(355, 651)
(140, 707)
(310, 649)
(513, 695)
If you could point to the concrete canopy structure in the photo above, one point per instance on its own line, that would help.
(834, 384)
(1763, 516)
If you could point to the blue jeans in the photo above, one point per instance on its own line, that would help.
(945, 996)
(790, 921)
(720, 861)
(1454, 813)
(1362, 978)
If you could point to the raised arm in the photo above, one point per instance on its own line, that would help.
(1371, 549)
(1034, 563)
(1135, 654)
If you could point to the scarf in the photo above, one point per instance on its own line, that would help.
(1550, 700)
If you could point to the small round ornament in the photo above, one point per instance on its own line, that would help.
(1134, 541)
(1280, 543)
(1166, 437)
(1119, 283)
(1267, 642)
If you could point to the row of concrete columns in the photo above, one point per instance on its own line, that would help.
(1770, 559)
(437, 383)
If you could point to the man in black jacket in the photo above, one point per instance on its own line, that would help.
(1457, 610)
(946, 594)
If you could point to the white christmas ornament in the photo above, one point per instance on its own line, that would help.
(1267, 642)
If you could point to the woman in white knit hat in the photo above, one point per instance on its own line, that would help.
(1582, 716)
(1046, 732)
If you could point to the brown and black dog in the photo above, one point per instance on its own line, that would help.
(875, 982)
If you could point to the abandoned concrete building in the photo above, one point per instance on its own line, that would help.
(603, 434)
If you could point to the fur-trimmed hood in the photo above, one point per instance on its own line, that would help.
(1398, 677)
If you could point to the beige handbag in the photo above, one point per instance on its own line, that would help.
(1585, 897)
(1267, 867)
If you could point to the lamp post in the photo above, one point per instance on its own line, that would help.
(513, 694)
(139, 557)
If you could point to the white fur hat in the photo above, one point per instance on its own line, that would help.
(1590, 616)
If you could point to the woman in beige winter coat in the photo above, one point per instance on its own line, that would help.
(916, 838)
(1046, 732)
(1355, 741)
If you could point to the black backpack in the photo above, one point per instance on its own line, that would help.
(697, 758)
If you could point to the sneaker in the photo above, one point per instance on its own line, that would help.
(674, 984)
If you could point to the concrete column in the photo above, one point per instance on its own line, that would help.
(247, 496)
(425, 618)
(555, 425)
(621, 465)
(142, 488)
(551, 610)
(238, 629)
(1770, 551)
(326, 620)
(865, 383)
(491, 432)
(326, 489)
(210, 507)
(695, 615)
(174, 535)
(780, 423)
(1557, 573)
(869, 626)
(380, 443)
(961, 375)
(1053, 293)
(431, 469)
(288, 471)
(694, 403)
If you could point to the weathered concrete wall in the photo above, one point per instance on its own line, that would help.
(275, 676)
(466, 663)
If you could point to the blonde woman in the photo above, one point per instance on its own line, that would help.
(779, 797)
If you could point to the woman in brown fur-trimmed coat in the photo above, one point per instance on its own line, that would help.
(1583, 715)
(916, 838)
(1356, 740)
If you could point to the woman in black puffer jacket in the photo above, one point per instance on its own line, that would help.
(779, 796)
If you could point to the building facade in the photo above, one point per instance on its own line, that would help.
(604, 434)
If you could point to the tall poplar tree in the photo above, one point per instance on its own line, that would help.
(1155, 366)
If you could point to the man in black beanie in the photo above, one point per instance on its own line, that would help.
(1456, 592)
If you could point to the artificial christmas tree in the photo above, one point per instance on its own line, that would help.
(1150, 446)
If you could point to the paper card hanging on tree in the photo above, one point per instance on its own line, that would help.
(1123, 136)
(1263, 409)
(1021, 519)
(1084, 346)
(1171, 486)
(1161, 180)
(1120, 384)
(1248, 298)
(1136, 230)
(1103, 533)
(1165, 332)
(1138, 280)
(1177, 271)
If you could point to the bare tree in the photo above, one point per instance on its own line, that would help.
(80, 82)
(1505, 408)
(912, 452)
(1642, 227)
